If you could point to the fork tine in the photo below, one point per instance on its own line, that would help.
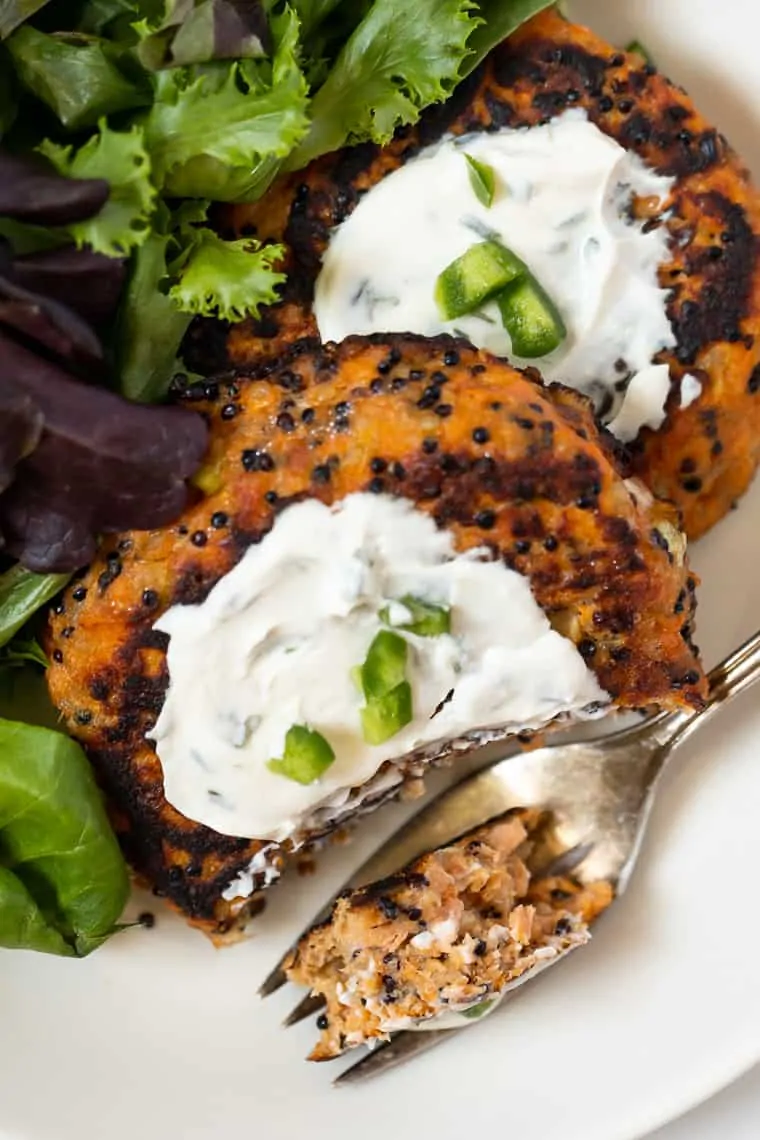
(305, 1008)
(401, 1048)
(273, 980)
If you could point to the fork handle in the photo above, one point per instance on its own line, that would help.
(737, 672)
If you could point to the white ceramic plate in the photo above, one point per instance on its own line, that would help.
(160, 1036)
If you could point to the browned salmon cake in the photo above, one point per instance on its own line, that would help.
(447, 934)
(704, 456)
(494, 458)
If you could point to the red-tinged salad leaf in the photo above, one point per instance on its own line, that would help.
(21, 424)
(63, 879)
(52, 327)
(87, 282)
(120, 158)
(102, 464)
(199, 31)
(32, 191)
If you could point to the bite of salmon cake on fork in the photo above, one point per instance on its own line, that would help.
(442, 939)
(399, 548)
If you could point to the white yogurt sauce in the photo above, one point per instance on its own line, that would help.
(561, 203)
(274, 643)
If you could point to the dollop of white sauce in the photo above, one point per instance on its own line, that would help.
(563, 192)
(275, 641)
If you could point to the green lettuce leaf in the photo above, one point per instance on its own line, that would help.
(401, 58)
(121, 158)
(220, 131)
(22, 651)
(227, 279)
(63, 880)
(22, 593)
(150, 327)
(75, 75)
(500, 19)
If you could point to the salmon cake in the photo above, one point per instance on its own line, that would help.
(692, 417)
(442, 940)
(399, 548)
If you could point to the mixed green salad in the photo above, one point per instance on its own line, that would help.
(122, 123)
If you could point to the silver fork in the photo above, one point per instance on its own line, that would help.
(599, 794)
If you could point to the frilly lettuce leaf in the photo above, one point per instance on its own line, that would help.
(226, 279)
(220, 131)
(122, 159)
(400, 58)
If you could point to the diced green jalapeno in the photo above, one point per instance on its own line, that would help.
(427, 619)
(478, 1010)
(306, 755)
(636, 47)
(386, 715)
(386, 690)
(531, 318)
(485, 269)
(385, 665)
(482, 180)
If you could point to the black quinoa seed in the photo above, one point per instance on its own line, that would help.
(285, 422)
(199, 538)
(376, 486)
(321, 473)
(692, 484)
(486, 520)
(229, 411)
(149, 598)
(271, 498)
(550, 543)
(57, 656)
(219, 519)
(307, 415)
(429, 445)
(322, 1022)
(414, 913)
(255, 460)
(522, 546)
(451, 358)
(387, 907)
(378, 465)
(480, 948)
(587, 648)
(83, 716)
(444, 410)
(399, 472)
(564, 926)
(147, 919)
(481, 435)
(79, 594)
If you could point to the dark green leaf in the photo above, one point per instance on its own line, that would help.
(75, 75)
(63, 880)
(401, 57)
(22, 651)
(500, 19)
(7, 94)
(150, 328)
(13, 13)
(22, 593)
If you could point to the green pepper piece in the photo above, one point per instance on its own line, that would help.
(478, 1010)
(636, 47)
(428, 619)
(531, 318)
(384, 666)
(480, 273)
(482, 180)
(386, 715)
(306, 756)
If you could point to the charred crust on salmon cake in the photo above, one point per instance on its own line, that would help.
(713, 222)
(513, 466)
